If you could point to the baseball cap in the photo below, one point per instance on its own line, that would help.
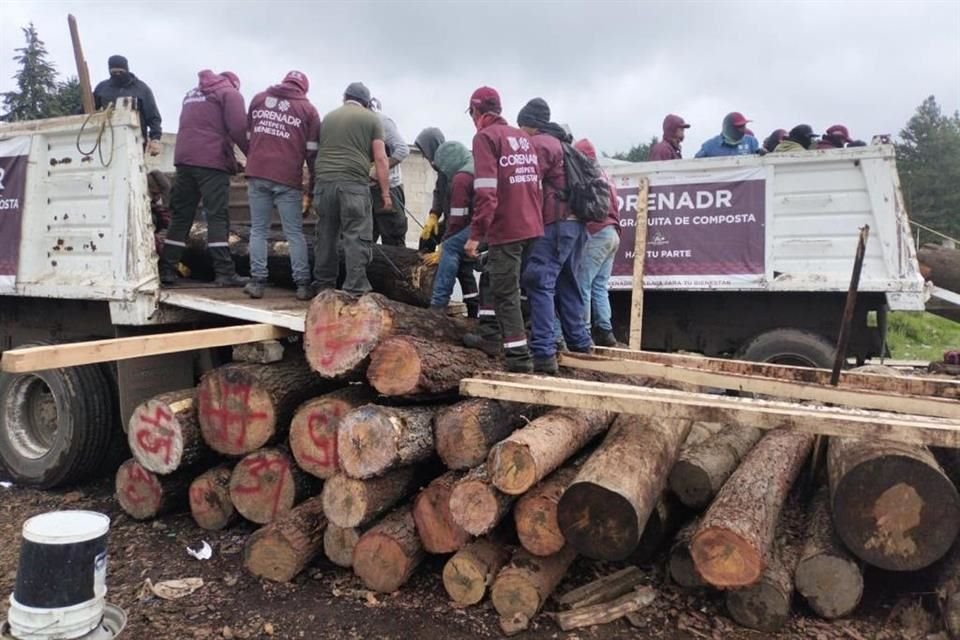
(738, 119)
(298, 78)
(840, 131)
(485, 99)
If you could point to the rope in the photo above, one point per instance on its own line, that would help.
(106, 120)
(395, 268)
(933, 231)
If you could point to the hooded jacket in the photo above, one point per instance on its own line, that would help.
(284, 130)
(212, 120)
(665, 149)
(586, 147)
(455, 163)
(428, 141)
(507, 199)
(130, 85)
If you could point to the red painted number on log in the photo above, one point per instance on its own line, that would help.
(326, 446)
(333, 339)
(259, 468)
(158, 436)
(198, 500)
(136, 478)
(221, 418)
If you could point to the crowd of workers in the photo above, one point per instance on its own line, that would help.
(501, 207)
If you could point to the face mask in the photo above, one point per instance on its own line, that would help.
(120, 78)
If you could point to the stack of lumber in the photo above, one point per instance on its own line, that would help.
(359, 449)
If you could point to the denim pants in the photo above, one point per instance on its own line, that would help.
(550, 281)
(451, 257)
(263, 195)
(594, 276)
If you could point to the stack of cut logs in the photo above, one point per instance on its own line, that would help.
(358, 448)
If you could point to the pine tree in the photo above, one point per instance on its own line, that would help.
(638, 153)
(68, 100)
(36, 96)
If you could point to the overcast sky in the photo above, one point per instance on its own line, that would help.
(611, 70)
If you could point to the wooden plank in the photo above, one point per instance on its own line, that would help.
(639, 260)
(910, 385)
(78, 353)
(670, 404)
(861, 399)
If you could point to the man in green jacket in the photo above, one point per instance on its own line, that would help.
(800, 138)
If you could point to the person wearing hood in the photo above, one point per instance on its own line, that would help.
(284, 131)
(352, 137)
(771, 141)
(507, 216)
(550, 275)
(212, 120)
(455, 162)
(674, 129)
(800, 138)
(123, 84)
(732, 141)
(390, 225)
(836, 137)
(428, 141)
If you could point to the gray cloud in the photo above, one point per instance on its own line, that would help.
(611, 70)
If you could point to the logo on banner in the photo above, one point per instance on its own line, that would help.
(658, 239)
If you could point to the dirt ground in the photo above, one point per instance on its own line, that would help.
(329, 602)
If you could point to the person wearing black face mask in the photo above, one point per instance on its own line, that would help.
(800, 138)
(123, 84)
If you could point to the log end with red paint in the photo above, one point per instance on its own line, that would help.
(139, 491)
(341, 331)
(262, 485)
(236, 415)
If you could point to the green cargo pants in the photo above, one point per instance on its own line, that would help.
(343, 227)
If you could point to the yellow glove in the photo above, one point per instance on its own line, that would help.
(433, 259)
(430, 227)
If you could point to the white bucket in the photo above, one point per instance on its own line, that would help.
(61, 581)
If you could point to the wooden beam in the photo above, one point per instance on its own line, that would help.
(860, 398)
(670, 404)
(78, 353)
(639, 261)
(83, 73)
(910, 385)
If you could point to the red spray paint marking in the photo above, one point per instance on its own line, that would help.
(160, 437)
(220, 417)
(257, 467)
(333, 340)
(198, 500)
(326, 446)
(138, 477)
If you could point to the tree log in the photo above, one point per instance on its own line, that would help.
(164, 434)
(523, 586)
(893, 506)
(536, 513)
(765, 606)
(349, 502)
(605, 612)
(342, 330)
(466, 431)
(144, 495)
(827, 576)
(703, 468)
(339, 542)
(733, 540)
(435, 525)
(372, 439)
(313, 430)
(266, 484)
(210, 502)
(399, 274)
(243, 407)
(680, 563)
(531, 453)
(603, 513)
(407, 366)
(941, 265)
(948, 592)
(470, 571)
(664, 521)
(386, 555)
(477, 505)
(283, 548)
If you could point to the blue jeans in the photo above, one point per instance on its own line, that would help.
(450, 258)
(594, 276)
(549, 279)
(263, 195)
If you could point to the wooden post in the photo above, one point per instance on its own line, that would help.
(83, 73)
(639, 258)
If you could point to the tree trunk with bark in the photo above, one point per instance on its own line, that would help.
(476, 505)
(283, 548)
(145, 495)
(765, 606)
(466, 431)
(703, 468)
(267, 483)
(941, 266)
(411, 366)
(349, 502)
(469, 573)
(664, 521)
(438, 531)
(535, 514)
(400, 274)
(680, 563)
(948, 593)
(374, 439)
(523, 586)
(164, 434)
(210, 502)
(604, 511)
(386, 555)
(313, 430)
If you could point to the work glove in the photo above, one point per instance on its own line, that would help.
(154, 147)
(433, 259)
(430, 227)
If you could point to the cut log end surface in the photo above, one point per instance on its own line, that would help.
(438, 531)
(338, 544)
(282, 549)
(139, 491)
(514, 468)
(469, 573)
(386, 555)
(236, 415)
(831, 585)
(476, 505)
(161, 428)
(313, 434)
(341, 331)
(763, 606)
(594, 517)
(367, 442)
(262, 486)
(724, 560)
(395, 368)
(210, 502)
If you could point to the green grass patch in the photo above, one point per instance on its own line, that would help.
(921, 336)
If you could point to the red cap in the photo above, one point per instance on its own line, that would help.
(298, 78)
(485, 99)
(233, 78)
(585, 147)
(738, 119)
(840, 131)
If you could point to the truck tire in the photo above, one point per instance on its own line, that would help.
(56, 426)
(789, 346)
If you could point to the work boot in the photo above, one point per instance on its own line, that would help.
(231, 280)
(604, 338)
(305, 292)
(489, 347)
(254, 289)
(168, 275)
(547, 365)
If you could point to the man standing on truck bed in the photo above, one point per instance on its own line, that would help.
(284, 128)
(122, 84)
(674, 129)
(732, 141)
(390, 226)
(351, 138)
(212, 120)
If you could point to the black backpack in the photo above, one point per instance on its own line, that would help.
(588, 193)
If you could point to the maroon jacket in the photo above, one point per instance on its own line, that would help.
(586, 147)
(553, 176)
(663, 150)
(507, 199)
(284, 130)
(461, 203)
(212, 120)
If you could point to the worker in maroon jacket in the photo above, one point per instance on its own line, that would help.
(212, 120)
(674, 129)
(507, 216)
(550, 276)
(836, 137)
(284, 129)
